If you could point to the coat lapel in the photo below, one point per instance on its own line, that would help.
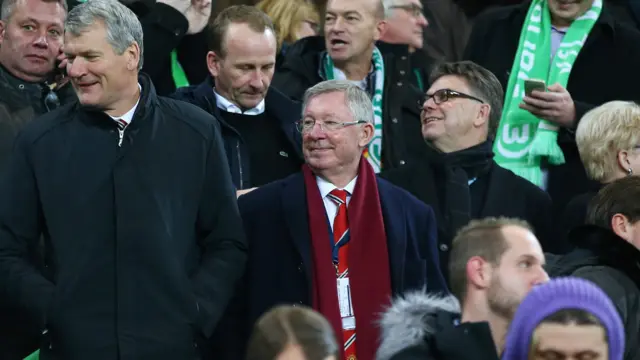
(294, 204)
(395, 228)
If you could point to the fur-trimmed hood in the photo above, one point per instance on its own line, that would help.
(411, 318)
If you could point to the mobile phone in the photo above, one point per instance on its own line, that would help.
(61, 72)
(534, 84)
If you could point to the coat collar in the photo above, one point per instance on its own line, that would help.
(611, 249)
(277, 106)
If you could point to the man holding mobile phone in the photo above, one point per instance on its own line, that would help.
(30, 39)
(585, 58)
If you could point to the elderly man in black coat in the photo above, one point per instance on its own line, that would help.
(133, 197)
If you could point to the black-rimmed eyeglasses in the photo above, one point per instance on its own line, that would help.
(307, 125)
(444, 95)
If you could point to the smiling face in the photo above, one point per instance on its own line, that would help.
(337, 151)
(31, 38)
(99, 76)
(351, 28)
(457, 123)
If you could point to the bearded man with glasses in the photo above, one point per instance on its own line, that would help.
(334, 237)
(460, 179)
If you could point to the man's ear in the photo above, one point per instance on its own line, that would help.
(381, 28)
(621, 226)
(366, 135)
(483, 115)
(213, 63)
(133, 54)
(478, 273)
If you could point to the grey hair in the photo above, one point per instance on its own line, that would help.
(356, 99)
(122, 25)
(8, 6)
(388, 11)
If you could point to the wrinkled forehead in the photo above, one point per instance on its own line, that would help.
(327, 105)
(360, 7)
(49, 13)
(571, 340)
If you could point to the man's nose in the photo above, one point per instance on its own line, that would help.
(76, 68)
(257, 79)
(41, 41)
(543, 277)
(337, 26)
(422, 20)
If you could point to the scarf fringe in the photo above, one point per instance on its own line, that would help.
(532, 172)
(545, 145)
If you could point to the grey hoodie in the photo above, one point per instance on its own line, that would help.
(410, 319)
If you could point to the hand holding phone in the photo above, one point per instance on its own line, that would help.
(534, 84)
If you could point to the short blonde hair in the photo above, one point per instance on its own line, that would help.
(603, 132)
(287, 15)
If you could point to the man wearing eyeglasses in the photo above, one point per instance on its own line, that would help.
(348, 51)
(460, 179)
(334, 237)
(405, 26)
(30, 40)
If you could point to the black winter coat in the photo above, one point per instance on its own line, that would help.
(423, 326)
(144, 242)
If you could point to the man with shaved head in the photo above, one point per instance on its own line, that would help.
(348, 51)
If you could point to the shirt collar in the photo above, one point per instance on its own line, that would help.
(362, 84)
(128, 116)
(326, 187)
(228, 106)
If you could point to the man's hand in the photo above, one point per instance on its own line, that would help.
(243, 192)
(198, 15)
(554, 105)
(62, 79)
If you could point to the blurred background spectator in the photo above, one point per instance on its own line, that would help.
(292, 332)
(293, 20)
(609, 145)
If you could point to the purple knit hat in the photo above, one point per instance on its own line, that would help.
(558, 294)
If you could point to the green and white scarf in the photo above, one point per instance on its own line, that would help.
(523, 140)
(373, 151)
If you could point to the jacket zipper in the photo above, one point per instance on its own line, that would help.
(240, 164)
(120, 137)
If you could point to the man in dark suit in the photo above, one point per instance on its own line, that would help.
(335, 226)
(460, 179)
(257, 121)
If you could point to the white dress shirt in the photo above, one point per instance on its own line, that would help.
(228, 106)
(128, 116)
(325, 188)
(340, 75)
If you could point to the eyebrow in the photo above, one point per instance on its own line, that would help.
(345, 13)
